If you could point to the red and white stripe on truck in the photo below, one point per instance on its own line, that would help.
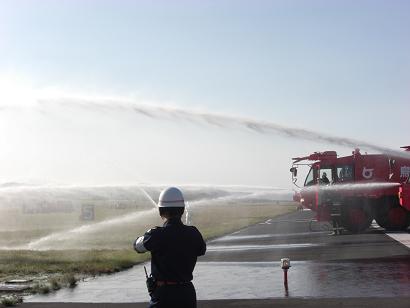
(404, 195)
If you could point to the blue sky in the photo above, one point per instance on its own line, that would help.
(340, 67)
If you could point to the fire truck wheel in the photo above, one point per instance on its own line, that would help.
(391, 216)
(397, 219)
(356, 218)
(382, 221)
(382, 213)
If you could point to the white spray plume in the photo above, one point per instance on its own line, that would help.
(353, 186)
(213, 119)
(49, 241)
(194, 194)
(148, 196)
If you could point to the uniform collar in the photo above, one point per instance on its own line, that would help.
(173, 221)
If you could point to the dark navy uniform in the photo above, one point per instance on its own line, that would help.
(174, 250)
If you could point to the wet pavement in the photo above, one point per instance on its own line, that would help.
(245, 265)
(295, 302)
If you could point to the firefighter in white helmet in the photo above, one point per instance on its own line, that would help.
(174, 250)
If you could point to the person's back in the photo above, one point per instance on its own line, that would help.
(175, 247)
(174, 250)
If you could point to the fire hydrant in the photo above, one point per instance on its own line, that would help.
(285, 263)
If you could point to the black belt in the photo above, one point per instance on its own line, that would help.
(160, 283)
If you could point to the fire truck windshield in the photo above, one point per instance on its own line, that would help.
(325, 176)
(310, 179)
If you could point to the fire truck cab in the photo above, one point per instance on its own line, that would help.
(356, 189)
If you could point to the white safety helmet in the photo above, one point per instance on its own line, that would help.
(171, 197)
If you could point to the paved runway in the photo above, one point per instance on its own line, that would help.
(290, 236)
(244, 266)
(362, 302)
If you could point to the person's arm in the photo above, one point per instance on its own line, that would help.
(139, 245)
(148, 242)
(202, 245)
(202, 249)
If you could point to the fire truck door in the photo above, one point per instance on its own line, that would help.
(325, 178)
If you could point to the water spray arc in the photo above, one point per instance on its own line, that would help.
(47, 242)
(214, 119)
(144, 192)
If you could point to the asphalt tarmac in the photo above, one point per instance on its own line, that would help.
(362, 302)
(290, 236)
(242, 270)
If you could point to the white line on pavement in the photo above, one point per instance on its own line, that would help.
(403, 238)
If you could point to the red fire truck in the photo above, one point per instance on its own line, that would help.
(353, 190)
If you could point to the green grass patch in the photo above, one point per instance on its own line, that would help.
(11, 300)
(215, 221)
(26, 263)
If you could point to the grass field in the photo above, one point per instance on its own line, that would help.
(110, 250)
(17, 263)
